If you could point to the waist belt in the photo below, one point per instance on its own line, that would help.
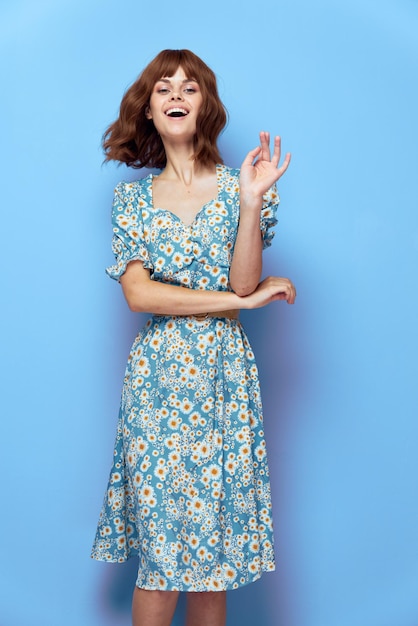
(231, 314)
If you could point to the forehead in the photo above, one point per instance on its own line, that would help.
(179, 75)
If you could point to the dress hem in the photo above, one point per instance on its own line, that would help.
(182, 588)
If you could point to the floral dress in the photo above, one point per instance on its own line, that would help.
(189, 491)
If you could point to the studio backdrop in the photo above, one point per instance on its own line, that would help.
(337, 79)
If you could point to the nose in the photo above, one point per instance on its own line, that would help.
(176, 95)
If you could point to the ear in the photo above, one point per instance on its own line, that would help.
(148, 114)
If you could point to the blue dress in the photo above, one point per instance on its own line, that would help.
(189, 489)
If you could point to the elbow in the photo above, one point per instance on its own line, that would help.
(134, 307)
(135, 304)
(244, 290)
(244, 283)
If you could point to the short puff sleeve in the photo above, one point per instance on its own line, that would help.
(268, 217)
(128, 231)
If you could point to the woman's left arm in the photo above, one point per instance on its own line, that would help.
(255, 180)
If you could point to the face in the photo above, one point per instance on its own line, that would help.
(174, 105)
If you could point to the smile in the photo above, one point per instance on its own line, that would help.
(176, 112)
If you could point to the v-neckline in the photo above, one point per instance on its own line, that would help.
(202, 208)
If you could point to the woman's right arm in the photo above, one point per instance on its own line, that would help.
(145, 295)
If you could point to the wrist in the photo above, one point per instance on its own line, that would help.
(251, 202)
(250, 211)
(243, 302)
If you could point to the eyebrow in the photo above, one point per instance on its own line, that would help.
(186, 80)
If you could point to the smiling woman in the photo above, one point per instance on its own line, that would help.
(189, 491)
(133, 139)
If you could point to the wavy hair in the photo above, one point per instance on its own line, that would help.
(134, 140)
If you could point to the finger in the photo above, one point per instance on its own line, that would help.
(286, 291)
(251, 156)
(292, 294)
(284, 165)
(277, 151)
(281, 296)
(265, 145)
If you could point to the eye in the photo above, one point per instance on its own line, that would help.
(162, 90)
(190, 90)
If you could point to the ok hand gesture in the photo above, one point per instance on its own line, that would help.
(257, 177)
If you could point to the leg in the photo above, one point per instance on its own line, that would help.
(153, 608)
(206, 608)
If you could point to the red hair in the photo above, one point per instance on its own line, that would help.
(133, 139)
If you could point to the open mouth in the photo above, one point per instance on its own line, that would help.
(176, 112)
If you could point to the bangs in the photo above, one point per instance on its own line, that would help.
(170, 60)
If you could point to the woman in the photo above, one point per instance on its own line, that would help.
(189, 490)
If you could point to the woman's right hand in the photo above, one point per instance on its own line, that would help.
(269, 290)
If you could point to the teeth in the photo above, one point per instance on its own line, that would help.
(176, 112)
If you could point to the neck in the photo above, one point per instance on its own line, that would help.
(181, 165)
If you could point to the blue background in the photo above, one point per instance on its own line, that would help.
(338, 80)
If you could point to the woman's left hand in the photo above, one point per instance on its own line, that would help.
(257, 177)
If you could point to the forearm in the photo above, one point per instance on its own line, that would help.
(246, 263)
(163, 299)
